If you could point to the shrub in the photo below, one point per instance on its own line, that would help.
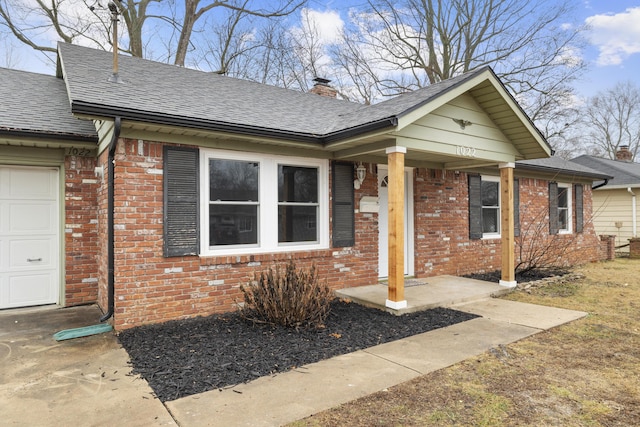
(293, 297)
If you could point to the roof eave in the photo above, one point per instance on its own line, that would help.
(49, 136)
(548, 169)
(385, 123)
(98, 110)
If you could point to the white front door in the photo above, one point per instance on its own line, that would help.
(383, 222)
(29, 236)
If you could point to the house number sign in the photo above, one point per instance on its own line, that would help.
(465, 151)
(79, 152)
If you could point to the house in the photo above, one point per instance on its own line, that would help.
(157, 190)
(614, 201)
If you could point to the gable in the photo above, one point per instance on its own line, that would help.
(442, 139)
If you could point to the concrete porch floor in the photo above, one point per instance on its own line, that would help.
(425, 293)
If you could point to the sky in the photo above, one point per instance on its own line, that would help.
(612, 53)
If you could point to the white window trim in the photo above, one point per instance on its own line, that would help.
(569, 228)
(498, 234)
(268, 207)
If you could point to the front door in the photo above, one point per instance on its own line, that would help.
(383, 222)
(29, 236)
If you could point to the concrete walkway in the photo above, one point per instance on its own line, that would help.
(86, 381)
(283, 398)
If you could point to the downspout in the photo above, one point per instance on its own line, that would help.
(602, 184)
(110, 221)
(633, 210)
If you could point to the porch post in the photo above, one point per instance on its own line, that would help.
(395, 156)
(507, 225)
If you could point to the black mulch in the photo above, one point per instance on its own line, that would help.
(185, 357)
(527, 276)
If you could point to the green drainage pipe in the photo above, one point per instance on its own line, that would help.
(85, 331)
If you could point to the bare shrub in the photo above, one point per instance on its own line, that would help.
(292, 297)
(536, 249)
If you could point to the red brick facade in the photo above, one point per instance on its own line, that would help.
(150, 288)
(80, 230)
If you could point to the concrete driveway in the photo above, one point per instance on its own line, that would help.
(79, 382)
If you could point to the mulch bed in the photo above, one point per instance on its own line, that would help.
(181, 358)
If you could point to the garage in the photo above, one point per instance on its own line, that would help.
(29, 236)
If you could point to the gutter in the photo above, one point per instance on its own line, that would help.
(602, 184)
(565, 172)
(14, 133)
(110, 220)
(96, 110)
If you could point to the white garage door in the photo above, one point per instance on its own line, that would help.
(29, 236)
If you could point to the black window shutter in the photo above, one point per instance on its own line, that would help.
(553, 208)
(343, 205)
(475, 207)
(578, 190)
(181, 217)
(516, 207)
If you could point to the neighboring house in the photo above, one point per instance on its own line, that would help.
(615, 210)
(178, 185)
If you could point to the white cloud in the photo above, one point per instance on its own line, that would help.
(328, 24)
(617, 36)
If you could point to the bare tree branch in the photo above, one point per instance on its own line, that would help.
(613, 120)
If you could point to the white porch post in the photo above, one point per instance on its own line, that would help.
(395, 156)
(507, 225)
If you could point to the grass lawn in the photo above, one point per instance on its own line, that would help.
(586, 373)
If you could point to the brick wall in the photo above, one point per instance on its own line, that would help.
(150, 288)
(442, 244)
(559, 249)
(81, 230)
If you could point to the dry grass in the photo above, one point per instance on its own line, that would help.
(586, 373)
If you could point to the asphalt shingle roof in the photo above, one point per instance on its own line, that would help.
(623, 173)
(179, 93)
(558, 164)
(38, 104)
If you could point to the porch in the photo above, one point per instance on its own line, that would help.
(425, 293)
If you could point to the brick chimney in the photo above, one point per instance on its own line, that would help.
(623, 154)
(323, 88)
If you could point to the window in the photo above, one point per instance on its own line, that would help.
(484, 207)
(297, 204)
(559, 208)
(233, 202)
(490, 189)
(262, 203)
(563, 209)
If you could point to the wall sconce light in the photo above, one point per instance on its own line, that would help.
(361, 174)
(462, 123)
